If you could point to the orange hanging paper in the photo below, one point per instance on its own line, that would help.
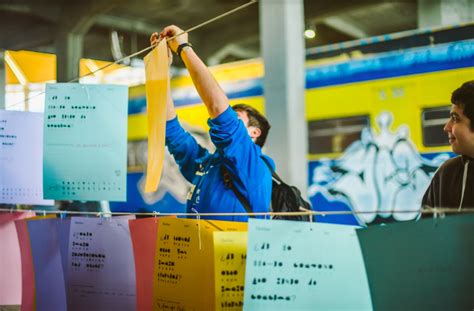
(157, 92)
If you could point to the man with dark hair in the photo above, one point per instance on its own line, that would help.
(238, 135)
(252, 117)
(452, 184)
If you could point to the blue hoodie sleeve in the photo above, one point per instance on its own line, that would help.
(184, 148)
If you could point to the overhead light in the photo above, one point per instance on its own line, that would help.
(310, 34)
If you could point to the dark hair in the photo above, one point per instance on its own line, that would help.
(255, 119)
(464, 98)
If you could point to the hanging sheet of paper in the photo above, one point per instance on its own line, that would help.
(27, 270)
(10, 258)
(157, 93)
(304, 266)
(423, 265)
(21, 154)
(63, 230)
(101, 273)
(49, 277)
(85, 142)
(184, 263)
(230, 253)
(143, 233)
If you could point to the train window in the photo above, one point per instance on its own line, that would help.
(335, 135)
(432, 122)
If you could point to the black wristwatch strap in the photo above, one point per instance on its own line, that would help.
(181, 47)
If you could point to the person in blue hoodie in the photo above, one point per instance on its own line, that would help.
(238, 133)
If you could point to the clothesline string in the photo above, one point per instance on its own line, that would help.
(147, 48)
(306, 213)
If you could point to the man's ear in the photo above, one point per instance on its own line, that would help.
(254, 132)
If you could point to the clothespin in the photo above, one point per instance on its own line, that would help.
(44, 213)
(62, 215)
(155, 214)
(198, 217)
(310, 213)
(198, 224)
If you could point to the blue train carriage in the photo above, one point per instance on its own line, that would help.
(375, 127)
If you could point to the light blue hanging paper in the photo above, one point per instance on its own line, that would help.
(85, 142)
(304, 266)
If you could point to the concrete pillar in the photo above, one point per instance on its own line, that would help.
(432, 13)
(282, 45)
(75, 22)
(69, 47)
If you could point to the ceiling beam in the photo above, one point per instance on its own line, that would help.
(232, 50)
(127, 25)
(348, 28)
(47, 12)
(316, 12)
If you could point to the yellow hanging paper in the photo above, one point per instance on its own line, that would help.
(184, 265)
(230, 254)
(157, 81)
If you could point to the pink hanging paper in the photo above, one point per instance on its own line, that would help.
(144, 233)
(10, 258)
(27, 271)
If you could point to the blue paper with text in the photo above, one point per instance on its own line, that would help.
(304, 266)
(85, 142)
(47, 262)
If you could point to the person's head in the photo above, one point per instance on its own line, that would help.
(257, 125)
(460, 126)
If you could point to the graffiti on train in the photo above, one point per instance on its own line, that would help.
(381, 175)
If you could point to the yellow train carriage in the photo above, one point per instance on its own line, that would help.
(374, 124)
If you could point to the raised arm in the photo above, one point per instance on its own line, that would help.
(184, 148)
(209, 90)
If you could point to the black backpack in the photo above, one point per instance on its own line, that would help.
(285, 198)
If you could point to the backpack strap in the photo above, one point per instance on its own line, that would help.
(274, 174)
(227, 178)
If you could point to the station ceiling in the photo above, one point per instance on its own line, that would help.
(124, 26)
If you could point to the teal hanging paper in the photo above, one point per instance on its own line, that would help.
(85, 142)
(304, 266)
(424, 265)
